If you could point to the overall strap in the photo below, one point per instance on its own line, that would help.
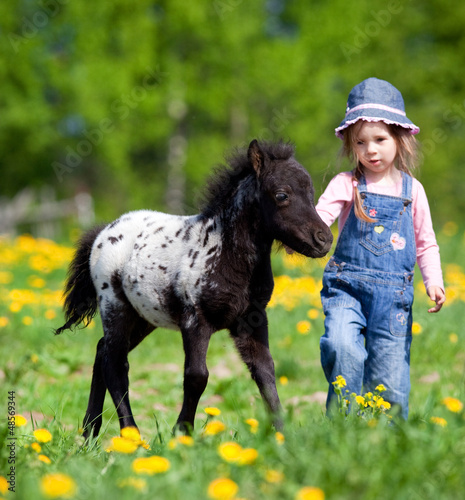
(406, 187)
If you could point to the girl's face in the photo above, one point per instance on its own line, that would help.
(376, 148)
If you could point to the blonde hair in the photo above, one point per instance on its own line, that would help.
(407, 158)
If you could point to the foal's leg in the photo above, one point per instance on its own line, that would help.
(122, 333)
(195, 342)
(93, 417)
(250, 334)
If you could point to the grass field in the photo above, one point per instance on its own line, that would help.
(236, 454)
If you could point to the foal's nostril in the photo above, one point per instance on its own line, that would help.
(320, 237)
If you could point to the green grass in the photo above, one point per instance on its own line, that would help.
(347, 458)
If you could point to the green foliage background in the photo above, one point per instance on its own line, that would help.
(136, 101)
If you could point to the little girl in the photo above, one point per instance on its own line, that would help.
(384, 228)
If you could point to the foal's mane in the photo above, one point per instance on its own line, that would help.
(225, 178)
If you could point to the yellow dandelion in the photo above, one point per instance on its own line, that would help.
(20, 420)
(44, 459)
(416, 328)
(36, 282)
(42, 435)
(3, 321)
(34, 358)
(339, 382)
(453, 338)
(283, 380)
(151, 465)
(303, 327)
(58, 485)
(15, 307)
(279, 436)
(185, 440)
(214, 427)
(133, 482)
(253, 423)
(122, 445)
(3, 485)
(380, 388)
(310, 493)
(229, 451)
(212, 411)
(313, 313)
(247, 456)
(50, 314)
(6, 277)
(222, 488)
(442, 422)
(453, 404)
(274, 476)
(36, 447)
(27, 320)
(360, 400)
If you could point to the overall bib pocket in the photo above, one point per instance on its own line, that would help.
(376, 236)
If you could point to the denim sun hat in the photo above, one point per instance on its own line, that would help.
(375, 100)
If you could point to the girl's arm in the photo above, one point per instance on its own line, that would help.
(428, 257)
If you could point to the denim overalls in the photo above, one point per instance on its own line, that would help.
(367, 298)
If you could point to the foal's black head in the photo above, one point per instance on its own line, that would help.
(287, 200)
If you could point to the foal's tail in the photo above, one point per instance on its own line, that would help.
(81, 296)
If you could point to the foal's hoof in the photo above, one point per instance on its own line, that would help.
(185, 428)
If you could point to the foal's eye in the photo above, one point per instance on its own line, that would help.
(281, 196)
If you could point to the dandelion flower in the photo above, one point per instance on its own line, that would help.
(151, 465)
(274, 476)
(453, 338)
(3, 321)
(310, 493)
(134, 482)
(214, 427)
(3, 485)
(253, 423)
(229, 451)
(42, 435)
(416, 328)
(279, 436)
(20, 421)
(283, 380)
(360, 400)
(34, 358)
(122, 445)
(303, 327)
(339, 382)
(222, 488)
(45, 459)
(380, 388)
(442, 422)
(58, 485)
(36, 447)
(27, 320)
(50, 314)
(313, 313)
(453, 404)
(212, 411)
(247, 456)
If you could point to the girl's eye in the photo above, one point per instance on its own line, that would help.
(281, 196)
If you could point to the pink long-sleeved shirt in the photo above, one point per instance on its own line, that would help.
(336, 202)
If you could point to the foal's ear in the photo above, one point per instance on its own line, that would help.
(256, 156)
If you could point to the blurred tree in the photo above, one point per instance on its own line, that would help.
(136, 101)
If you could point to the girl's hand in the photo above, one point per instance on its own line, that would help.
(436, 294)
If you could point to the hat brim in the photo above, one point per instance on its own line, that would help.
(376, 115)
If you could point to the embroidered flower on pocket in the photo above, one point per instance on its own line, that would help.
(398, 242)
(373, 212)
(400, 317)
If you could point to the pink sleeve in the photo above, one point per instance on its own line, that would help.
(336, 200)
(428, 258)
